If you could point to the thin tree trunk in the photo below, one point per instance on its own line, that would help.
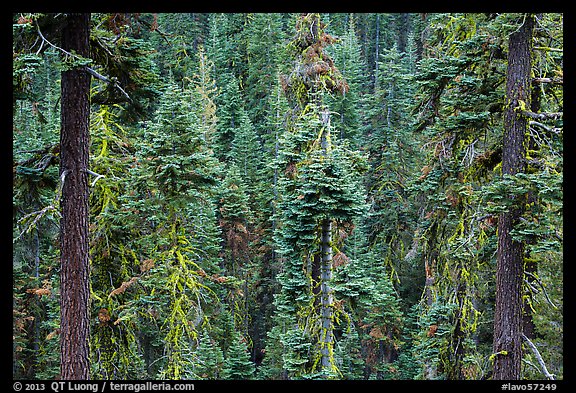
(322, 267)
(507, 345)
(454, 370)
(74, 143)
(326, 298)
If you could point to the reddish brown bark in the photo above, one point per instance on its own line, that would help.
(507, 345)
(74, 143)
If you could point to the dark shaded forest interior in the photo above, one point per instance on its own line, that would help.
(282, 196)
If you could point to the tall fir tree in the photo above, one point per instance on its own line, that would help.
(317, 189)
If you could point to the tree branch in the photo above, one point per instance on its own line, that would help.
(558, 81)
(548, 49)
(98, 176)
(88, 69)
(157, 30)
(543, 289)
(37, 216)
(538, 357)
(546, 128)
(543, 116)
(108, 80)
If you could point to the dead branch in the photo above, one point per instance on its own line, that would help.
(556, 81)
(538, 357)
(543, 116)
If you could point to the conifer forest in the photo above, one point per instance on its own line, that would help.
(287, 196)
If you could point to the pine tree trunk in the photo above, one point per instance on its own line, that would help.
(507, 345)
(456, 364)
(326, 299)
(74, 143)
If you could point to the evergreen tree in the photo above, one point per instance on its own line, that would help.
(458, 128)
(317, 187)
(263, 36)
(236, 225)
(364, 282)
(230, 114)
(124, 69)
(205, 92)
(176, 168)
(104, 60)
(246, 155)
(113, 264)
(35, 215)
(177, 37)
(237, 364)
(210, 358)
(392, 154)
(464, 107)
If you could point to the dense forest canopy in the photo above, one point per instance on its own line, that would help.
(276, 196)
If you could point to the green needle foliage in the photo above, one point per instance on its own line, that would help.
(292, 196)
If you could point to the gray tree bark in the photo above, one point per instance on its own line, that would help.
(326, 298)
